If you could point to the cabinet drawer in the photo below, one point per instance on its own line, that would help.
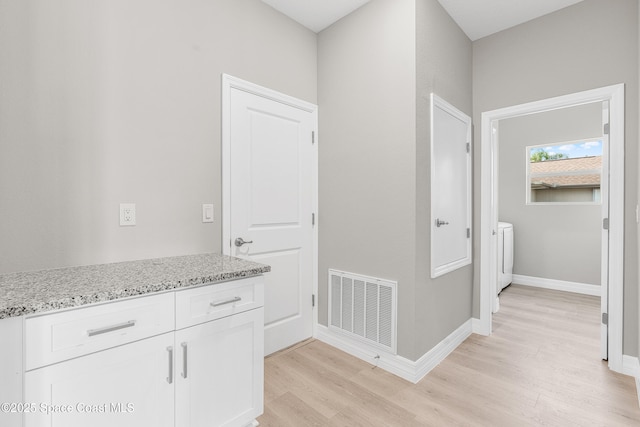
(68, 334)
(205, 303)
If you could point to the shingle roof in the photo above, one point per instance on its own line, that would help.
(572, 179)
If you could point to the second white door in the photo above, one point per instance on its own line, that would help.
(450, 188)
(271, 197)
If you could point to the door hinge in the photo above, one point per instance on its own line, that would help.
(313, 300)
(468, 147)
(313, 137)
(313, 219)
(605, 129)
(468, 233)
(605, 318)
(605, 223)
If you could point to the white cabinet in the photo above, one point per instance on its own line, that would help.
(220, 370)
(126, 386)
(220, 354)
(186, 358)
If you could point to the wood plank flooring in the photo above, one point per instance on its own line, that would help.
(540, 367)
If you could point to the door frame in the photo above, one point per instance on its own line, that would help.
(230, 82)
(489, 207)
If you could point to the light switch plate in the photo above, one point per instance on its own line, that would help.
(127, 214)
(207, 212)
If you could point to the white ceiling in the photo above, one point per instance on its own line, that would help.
(477, 18)
(480, 18)
(316, 14)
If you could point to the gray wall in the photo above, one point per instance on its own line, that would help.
(560, 241)
(377, 68)
(444, 60)
(367, 111)
(591, 44)
(119, 101)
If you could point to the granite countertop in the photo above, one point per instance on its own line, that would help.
(45, 290)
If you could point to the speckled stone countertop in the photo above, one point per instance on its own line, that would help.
(45, 290)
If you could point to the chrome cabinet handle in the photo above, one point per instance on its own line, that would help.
(440, 222)
(184, 359)
(94, 332)
(240, 241)
(170, 377)
(229, 301)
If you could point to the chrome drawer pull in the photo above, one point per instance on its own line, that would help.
(170, 377)
(184, 360)
(229, 301)
(94, 332)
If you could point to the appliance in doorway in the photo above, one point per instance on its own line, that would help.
(505, 255)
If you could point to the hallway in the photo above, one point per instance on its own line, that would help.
(540, 367)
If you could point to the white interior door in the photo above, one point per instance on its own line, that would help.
(604, 269)
(450, 188)
(271, 196)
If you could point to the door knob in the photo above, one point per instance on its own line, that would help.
(240, 241)
(440, 222)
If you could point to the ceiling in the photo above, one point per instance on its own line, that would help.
(480, 18)
(316, 15)
(477, 18)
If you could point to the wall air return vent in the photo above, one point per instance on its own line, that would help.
(363, 308)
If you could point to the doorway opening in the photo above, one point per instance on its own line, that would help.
(612, 213)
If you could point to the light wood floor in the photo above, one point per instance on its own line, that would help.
(540, 367)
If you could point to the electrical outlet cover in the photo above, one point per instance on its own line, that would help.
(127, 214)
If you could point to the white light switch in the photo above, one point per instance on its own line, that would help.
(207, 213)
(127, 214)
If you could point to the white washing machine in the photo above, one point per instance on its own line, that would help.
(505, 255)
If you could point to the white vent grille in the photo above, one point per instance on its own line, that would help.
(364, 308)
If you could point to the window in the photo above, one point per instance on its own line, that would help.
(566, 172)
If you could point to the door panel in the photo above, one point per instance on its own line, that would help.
(283, 300)
(450, 188)
(274, 189)
(271, 198)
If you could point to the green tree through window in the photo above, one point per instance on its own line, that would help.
(540, 155)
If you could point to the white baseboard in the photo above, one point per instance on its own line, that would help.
(398, 365)
(631, 366)
(477, 327)
(558, 285)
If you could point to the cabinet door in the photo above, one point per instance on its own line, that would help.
(220, 370)
(127, 386)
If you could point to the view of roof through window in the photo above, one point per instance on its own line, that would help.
(565, 172)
